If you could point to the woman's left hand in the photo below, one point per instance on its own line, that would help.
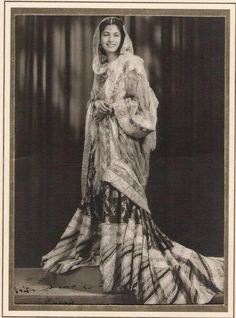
(102, 109)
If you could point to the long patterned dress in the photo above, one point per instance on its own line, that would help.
(113, 227)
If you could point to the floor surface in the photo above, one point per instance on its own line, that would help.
(34, 286)
(83, 286)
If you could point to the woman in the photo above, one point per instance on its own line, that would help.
(113, 228)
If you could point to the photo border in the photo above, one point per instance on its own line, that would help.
(227, 147)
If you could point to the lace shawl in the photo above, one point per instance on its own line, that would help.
(124, 85)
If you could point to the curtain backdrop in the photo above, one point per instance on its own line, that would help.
(184, 59)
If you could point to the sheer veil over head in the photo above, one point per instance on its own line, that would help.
(99, 59)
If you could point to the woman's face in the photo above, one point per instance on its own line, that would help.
(110, 38)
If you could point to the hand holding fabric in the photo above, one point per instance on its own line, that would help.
(101, 109)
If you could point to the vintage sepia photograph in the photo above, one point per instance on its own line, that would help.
(89, 91)
(119, 160)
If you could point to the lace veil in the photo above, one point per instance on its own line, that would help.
(101, 68)
(100, 63)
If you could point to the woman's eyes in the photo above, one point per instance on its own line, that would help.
(108, 34)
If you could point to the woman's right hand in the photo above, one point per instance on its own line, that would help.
(102, 109)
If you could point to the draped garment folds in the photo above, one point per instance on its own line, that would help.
(113, 227)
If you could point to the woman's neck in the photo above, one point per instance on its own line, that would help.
(112, 57)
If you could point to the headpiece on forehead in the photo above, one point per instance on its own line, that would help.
(100, 62)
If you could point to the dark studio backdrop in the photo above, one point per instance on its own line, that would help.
(184, 59)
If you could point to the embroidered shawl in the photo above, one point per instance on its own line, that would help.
(121, 142)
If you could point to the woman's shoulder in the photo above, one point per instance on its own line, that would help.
(134, 63)
(128, 63)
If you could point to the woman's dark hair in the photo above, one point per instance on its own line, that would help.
(119, 23)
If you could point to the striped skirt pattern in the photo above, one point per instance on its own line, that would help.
(133, 254)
